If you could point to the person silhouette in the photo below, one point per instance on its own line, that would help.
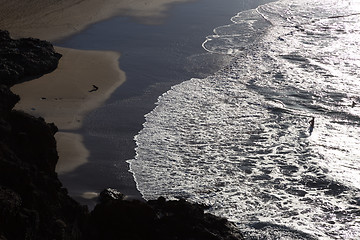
(312, 124)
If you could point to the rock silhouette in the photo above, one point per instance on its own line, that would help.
(25, 58)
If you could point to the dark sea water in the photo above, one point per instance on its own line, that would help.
(231, 127)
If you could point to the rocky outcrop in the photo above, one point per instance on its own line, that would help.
(115, 218)
(43, 209)
(25, 57)
(33, 203)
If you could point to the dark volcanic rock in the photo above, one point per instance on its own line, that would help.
(25, 57)
(110, 194)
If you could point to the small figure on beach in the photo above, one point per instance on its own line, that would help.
(353, 104)
(312, 124)
(95, 88)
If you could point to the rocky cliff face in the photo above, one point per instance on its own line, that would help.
(33, 203)
(25, 58)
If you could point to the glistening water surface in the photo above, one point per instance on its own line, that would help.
(240, 140)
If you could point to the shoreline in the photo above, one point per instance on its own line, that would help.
(152, 68)
(135, 103)
(49, 95)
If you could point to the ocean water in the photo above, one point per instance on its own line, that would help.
(240, 140)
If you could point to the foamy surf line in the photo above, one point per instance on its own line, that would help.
(246, 29)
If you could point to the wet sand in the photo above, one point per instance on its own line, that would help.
(67, 94)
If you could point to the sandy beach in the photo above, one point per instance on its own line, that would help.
(67, 94)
